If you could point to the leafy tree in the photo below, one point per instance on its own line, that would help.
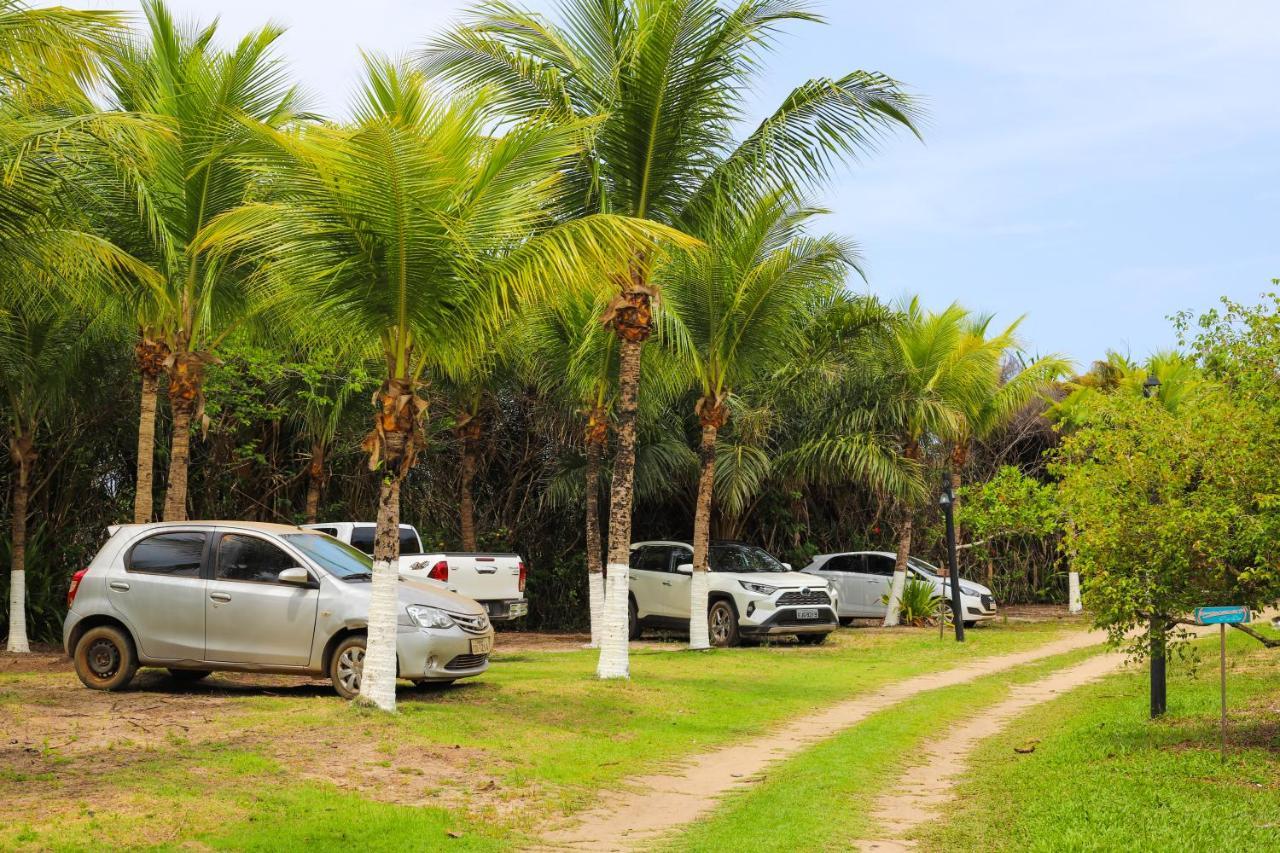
(735, 309)
(1016, 516)
(402, 232)
(39, 347)
(665, 80)
(209, 103)
(1169, 510)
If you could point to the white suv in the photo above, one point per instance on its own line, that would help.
(752, 594)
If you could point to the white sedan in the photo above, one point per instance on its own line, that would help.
(863, 578)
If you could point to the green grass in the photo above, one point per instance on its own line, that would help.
(1105, 778)
(821, 799)
(537, 732)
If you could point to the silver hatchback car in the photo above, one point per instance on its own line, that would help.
(201, 596)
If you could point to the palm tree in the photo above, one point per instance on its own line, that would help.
(39, 348)
(403, 231)
(570, 356)
(48, 54)
(208, 101)
(735, 309)
(936, 372)
(665, 80)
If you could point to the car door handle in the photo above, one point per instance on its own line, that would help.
(666, 583)
(119, 586)
(220, 596)
(486, 570)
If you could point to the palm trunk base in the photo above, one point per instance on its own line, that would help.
(614, 659)
(699, 587)
(892, 614)
(1074, 605)
(378, 679)
(595, 604)
(18, 613)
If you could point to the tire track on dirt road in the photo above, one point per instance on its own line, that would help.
(647, 807)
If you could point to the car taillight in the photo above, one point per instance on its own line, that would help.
(439, 572)
(75, 586)
(523, 574)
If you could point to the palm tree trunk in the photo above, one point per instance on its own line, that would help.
(614, 661)
(959, 455)
(899, 570)
(315, 479)
(175, 499)
(143, 497)
(466, 505)
(597, 432)
(22, 451)
(393, 448)
(185, 379)
(712, 414)
(378, 679)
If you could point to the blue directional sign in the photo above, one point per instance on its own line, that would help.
(1230, 615)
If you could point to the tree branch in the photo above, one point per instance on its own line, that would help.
(1266, 641)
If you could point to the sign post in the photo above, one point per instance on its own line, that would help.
(1222, 617)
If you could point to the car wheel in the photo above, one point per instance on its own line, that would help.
(347, 666)
(189, 676)
(105, 659)
(722, 624)
(846, 621)
(811, 639)
(633, 620)
(970, 624)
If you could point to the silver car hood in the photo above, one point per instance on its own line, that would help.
(418, 592)
(782, 580)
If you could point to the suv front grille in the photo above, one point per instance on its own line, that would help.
(987, 603)
(792, 617)
(812, 596)
(467, 662)
(474, 624)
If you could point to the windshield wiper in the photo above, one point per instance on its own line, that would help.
(358, 576)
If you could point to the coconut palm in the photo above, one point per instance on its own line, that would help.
(48, 54)
(666, 80)
(735, 311)
(208, 101)
(403, 231)
(936, 371)
(39, 349)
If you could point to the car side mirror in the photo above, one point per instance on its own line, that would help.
(297, 576)
(685, 568)
(787, 566)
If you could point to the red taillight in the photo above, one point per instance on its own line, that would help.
(439, 572)
(75, 586)
(523, 574)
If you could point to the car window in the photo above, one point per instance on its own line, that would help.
(173, 554)
(337, 558)
(328, 531)
(923, 568)
(743, 558)
(655, 558)
(248, 558)
(362, 539)
(681, 557)
(409, 542)
(842, 563)
(878, 564)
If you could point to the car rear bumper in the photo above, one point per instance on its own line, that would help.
(434, 654)
(505, 610)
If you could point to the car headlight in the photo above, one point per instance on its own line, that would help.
(758, 588)
(429, 617)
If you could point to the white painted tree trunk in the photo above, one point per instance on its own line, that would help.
(699, 586)
(895, 599)
(613, 638)
(18, 612)
(595, 596)
(378, 678)
(1073, 585)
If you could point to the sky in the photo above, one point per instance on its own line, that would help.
(1094, 166)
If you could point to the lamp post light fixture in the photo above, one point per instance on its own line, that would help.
(1159, 692)
(947, 500)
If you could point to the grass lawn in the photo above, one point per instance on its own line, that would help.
(1105, 778)
(477, 766)
(821, 799)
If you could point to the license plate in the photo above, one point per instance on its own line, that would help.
(807, 613)
(519, 608)
(481, 645)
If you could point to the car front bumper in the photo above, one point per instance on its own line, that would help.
(785, 620)
(505, 610)
(976, 609)
(441, 654)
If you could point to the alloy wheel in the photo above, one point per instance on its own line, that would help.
(351, 667)
(720, 627)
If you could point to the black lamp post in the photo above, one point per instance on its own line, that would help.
(948, 511)
(1158, 681)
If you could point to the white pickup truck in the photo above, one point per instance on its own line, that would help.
(494, 580)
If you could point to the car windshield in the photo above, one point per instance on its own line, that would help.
(922, 567)
(337, 558)
(743, 558)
